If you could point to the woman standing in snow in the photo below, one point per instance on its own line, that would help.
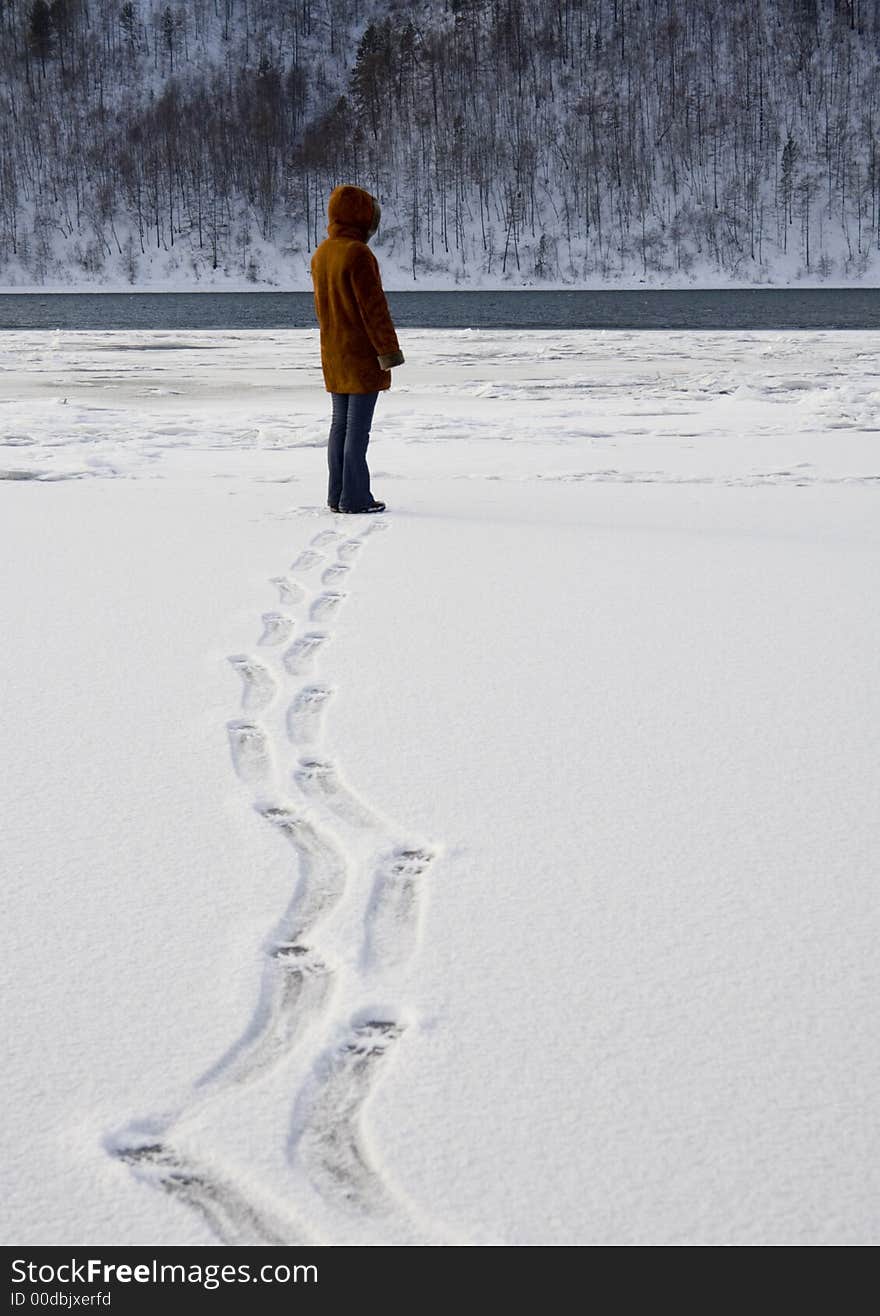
(358, 341)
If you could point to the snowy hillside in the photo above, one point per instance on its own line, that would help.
(587, 142)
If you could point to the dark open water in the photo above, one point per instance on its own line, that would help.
(759, 308)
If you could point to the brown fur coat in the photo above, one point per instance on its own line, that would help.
(358, 340)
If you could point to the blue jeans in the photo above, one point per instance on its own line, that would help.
(349, 486)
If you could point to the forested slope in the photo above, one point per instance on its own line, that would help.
(574, 141)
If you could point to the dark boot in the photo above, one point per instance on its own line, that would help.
(372, 506)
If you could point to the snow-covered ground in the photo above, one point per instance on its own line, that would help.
(500, 870)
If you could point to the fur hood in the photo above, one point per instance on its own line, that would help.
(352, 212)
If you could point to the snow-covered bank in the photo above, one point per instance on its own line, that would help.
(288, 278)
(577, 782)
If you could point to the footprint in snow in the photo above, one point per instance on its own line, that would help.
(318, 779)
(348, 551)
(259, 685)
(301, 654)
(391, 922)
(325, 605)
(323, 872)
(335, 573)
(296, 985)
(236, 1221)
(307, 559)
(288, 590)
(327, 1136)
(250, 751)
(305, 713)
(276, 628)
(324, 537)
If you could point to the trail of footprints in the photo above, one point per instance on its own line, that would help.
(297, 985)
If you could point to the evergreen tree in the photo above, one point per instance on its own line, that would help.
(40, 31)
